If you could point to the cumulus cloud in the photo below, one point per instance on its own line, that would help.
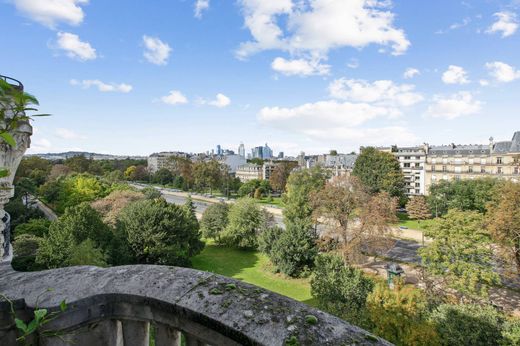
(220, 101)
(411, 73)
(156, 51)
(175, 97)
(101, 86)
(502, 72)
(299, 67)
(74, 47)
(506, 23)
(381, 92)
(333, 120)
(68, 134)
(318, 26)
(201, 6)
(51, 12)
(454, 106)
(455, 75)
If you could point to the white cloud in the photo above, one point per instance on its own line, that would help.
(201, 6)
(175, 97)
(506, 23)
(411, 72)
(333, 120)
(68, 134)
(221, 101)
(454, 106)
(156, 51)
(381, 92)
(502, 72)
(101, 86)
(300, 67)
(455, 26)
(41, 145)
(74, 47)
(320, 25)
(51, 12)
(455, 75)
(353, 63)
(483, 82)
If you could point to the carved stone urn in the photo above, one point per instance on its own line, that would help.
(10, 158)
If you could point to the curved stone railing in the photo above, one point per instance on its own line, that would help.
(123, 305)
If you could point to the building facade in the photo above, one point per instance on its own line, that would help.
(497, 159)
(248, 172)
(157, 161)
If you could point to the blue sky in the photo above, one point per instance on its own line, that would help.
(136, 77)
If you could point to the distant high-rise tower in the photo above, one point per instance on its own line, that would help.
(267, 152)
(242, 150)
(219, 150)
(257, 152)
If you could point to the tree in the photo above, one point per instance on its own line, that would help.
(399, 315)
(418, 209)
(503, 222)
(86, 253)
(207, 174)
(25, 249)
(511, 332)
(281, 173)
(79, 164)
(36, 227)
(467, 324)
(159, 233)
(77, 224)
(464, 194)
(111, 206)
(163, 176)
(59, 170)
(294, 252)
(333, 152)
(268, 239)
(380, 171)
(151, 193)
(246, 221)
(297, 200)
(249, 188)
(359, 221)
(460, 254)
(191, 215)
(340, 289)
(214, 221)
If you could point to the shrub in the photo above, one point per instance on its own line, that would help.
(294, 252)
(340, 289)
(36, 227)
(214, 221)
(467, 324)
(268, 238)
(151, 193)
(246, 221)
(159, 233)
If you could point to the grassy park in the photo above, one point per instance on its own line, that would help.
(252, 267)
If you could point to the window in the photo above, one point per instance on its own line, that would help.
(499, 170)
(417, 165)
(470, 169)
(417, 191)
(482, 169)
(516, 170)
(444, 161)
(482, 161)
(470, 161)
(457, 177)
(434, 161)
(417, 184)
(458, 169)
(444, 169)
(433, 168)
(407, 157)
(407, 165)
(434, 177)
(458, 161)
(499, 160)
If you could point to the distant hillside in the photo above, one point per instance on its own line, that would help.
(94, 156)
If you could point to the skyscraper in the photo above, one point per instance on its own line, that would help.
(267, 152)
(219, 150)
(242, 150)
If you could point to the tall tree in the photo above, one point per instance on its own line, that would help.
(246, 221)
(380, 171)
(503, 221)
(297, 199)
(460, 254)
(418, 209)
(214, 221)
(358, 220)
(278, 179)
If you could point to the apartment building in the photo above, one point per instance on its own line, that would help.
(156, 161)
(497, 159)
(249, 171)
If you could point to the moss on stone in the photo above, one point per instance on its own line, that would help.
(311, 319)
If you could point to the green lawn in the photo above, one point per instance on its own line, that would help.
(274, 201)
(413, 224)
(252, 267)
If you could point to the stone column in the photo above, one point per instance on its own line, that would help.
(10, 158)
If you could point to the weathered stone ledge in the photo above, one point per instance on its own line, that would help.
(218, 310)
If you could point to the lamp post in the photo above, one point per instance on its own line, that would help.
(393, 271)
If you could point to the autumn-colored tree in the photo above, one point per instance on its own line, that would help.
(460, 256)
(110, 206)
(280, 174)
(207, 174)
(359, 221)
(59, 170)
(418, 209)
(503, 221)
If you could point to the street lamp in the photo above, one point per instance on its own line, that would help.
(393, 270)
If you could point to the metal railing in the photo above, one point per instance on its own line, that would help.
(14, 82)
(6, 234)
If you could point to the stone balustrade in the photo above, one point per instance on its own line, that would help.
(125, 305)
